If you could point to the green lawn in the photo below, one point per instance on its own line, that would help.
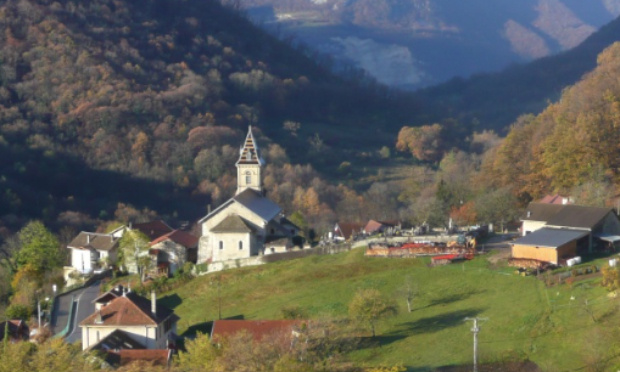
(524, 317)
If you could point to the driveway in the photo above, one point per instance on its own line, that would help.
(499, 241)
(82, 308)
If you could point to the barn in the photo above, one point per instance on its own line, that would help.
(549, 245)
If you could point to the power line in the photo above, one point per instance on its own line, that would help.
(475, 329)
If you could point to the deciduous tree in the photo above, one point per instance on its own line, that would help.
(368, 306)
(39, 248)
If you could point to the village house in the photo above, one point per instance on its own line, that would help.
(554, 232)
(346, 231)
(248, 224)
(172, 250)
(94, 251)
(132, 317)
(380, 227)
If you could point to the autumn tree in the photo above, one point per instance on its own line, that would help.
(368, 306)
(498, 206)
(424, 143)
(200, 354)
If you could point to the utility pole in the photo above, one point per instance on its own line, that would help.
(475, 329)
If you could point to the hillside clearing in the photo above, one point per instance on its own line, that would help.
(526, 320)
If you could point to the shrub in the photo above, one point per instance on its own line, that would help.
(18, 311)
(293, 312)
(611, 278)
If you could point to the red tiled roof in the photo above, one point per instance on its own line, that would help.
(127, 311)
(180, 237)
(257, 328)
(153, 229)
(347, 229)
(159, 357)
(555, 199)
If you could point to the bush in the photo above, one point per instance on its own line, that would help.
(611, 278)
(574, 273)
(293, 312)
(18, 311)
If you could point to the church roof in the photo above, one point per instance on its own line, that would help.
(249, 153)
(233, 224)
(253, 201)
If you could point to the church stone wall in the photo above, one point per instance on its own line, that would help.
(230, 243)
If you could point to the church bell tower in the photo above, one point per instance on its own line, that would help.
(249, 165)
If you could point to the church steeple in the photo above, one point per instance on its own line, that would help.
(249, 165)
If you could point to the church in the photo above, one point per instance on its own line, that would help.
(248, 224)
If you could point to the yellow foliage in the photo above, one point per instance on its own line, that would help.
(387, 369)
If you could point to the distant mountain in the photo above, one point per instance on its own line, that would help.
(416, 43)
(495, 100)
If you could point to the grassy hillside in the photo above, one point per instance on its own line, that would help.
(526, 319)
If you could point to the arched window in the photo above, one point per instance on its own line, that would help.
(221, 244)
(248, 178)
(240, 245)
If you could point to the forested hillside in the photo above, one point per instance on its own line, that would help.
(572, 147)
(110, 101)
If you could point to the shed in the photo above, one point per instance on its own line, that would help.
(548, 245)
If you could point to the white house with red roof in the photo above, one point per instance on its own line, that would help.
(248, 224)
(143, 323)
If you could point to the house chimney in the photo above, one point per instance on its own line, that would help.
(209, 209)
(153, 302)
(87, 238)
(99, 319)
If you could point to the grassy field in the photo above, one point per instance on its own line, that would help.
(525, 318)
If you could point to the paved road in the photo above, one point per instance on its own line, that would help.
(83, 307)
(500, 241)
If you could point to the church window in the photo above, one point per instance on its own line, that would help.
(248, 155)
(240, 245)
(248, 178)
(221, 244)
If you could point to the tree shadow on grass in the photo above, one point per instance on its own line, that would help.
(452, 298)
(437, 323)
(192, 331)
(172, 301)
